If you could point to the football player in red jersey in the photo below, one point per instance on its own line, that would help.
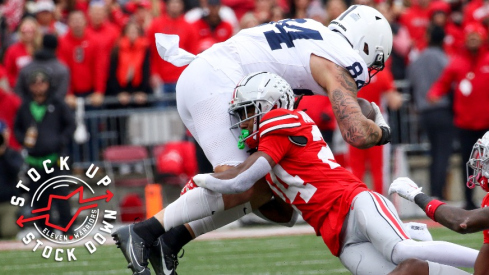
(456, 219)
(359, 226)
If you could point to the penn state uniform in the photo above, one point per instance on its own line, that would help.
(205, 87)
(353, 221)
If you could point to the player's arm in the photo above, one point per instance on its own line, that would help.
(454, 218)
(240, 178)
(481, 266)
(355, 128)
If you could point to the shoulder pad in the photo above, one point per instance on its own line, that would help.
(280, 121)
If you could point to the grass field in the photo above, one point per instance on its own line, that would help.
(273, 255)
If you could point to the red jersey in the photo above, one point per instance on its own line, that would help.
(470, 74)
(188, 41)
(485, 203)
(221, 33)
(16, 57)
(86, 61)
(307, 175)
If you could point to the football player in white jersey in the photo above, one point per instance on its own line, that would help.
(335, 61)
(358, 226)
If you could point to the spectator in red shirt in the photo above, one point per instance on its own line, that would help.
(9, 104)
(82, 54)
(381, 86)
(129, 67)
(212, 26)
(416, 20)
(172, 22)
(106, 32)
(468, 72)
(226, 13)
(20, 54)
(142, 14)
(44, 10)
(476, 11)
(454, 35)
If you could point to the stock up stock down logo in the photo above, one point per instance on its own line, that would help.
(66, 190)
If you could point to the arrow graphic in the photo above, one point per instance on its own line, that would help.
(81, 200)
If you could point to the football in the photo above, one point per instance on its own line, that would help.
(367, 109)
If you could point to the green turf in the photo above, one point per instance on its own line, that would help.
(273, 255)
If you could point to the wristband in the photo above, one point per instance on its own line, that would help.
(431, 208)
(386, 135)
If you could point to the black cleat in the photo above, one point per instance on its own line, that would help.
(162, 260)
(133, 248)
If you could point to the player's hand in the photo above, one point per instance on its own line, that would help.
(405, 188)
(189, 186)
(379, 119)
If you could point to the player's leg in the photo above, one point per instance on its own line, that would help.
(375, 218)
(419, 267)
(363, 259)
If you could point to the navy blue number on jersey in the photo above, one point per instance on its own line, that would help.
(274, 39)
(356, 70)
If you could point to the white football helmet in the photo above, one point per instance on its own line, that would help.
(479, 162)
(257, 94)
(368, 32)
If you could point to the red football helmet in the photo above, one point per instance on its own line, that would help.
(479, 162)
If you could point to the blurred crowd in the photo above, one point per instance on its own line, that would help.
(56, 51)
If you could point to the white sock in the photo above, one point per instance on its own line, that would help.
(435, 251)
(219, 219)
(196, 204)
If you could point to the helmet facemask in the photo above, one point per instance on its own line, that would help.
(254, 96)
(246, 111)
(377, 66)
(479, 163)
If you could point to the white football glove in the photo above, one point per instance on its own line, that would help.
(405, 187)
(379, 119)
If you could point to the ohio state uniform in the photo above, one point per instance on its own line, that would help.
(485, 203)
(308, 177)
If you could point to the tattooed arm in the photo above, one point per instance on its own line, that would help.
(355, 128)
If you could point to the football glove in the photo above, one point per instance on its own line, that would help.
(379, 119)
(405, 188)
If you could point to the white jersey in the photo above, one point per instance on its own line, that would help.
(285, 48)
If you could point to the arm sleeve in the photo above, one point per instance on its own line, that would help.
(242, 182)
(64, 83)
(442, 86)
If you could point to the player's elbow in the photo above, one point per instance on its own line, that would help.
(357, 142)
